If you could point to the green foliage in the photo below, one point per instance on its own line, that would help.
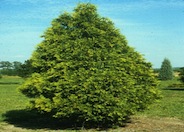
(182, 74)
(25, 69)
(177, 69)
(6, 65)
(6, 68)
(166, 72)
(16, 68)
(9, 68)
(86, 72)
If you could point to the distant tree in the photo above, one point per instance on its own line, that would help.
(156, 70)
(6, 65)
(182, 74)
(25, 70)
(16, 64)
(6, 68)
(87, 73)
(166, 71)
(16, 67)
(9, 68)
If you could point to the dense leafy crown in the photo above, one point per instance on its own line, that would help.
(166, 71)
(85, 70)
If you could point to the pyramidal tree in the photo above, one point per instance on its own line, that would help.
(166, 71)
(86, 72)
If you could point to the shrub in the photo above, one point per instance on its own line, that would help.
(86, 72)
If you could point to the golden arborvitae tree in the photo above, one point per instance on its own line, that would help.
(86, 72)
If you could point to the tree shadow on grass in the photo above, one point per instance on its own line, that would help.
(174, 89)
(33, 120)
(9, 83)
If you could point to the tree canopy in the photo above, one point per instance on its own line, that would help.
(87, 73)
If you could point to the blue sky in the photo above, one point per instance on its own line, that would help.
(155, 28)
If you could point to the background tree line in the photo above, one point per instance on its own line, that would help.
(16, 68)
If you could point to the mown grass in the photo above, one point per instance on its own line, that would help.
(10, 98)
(165, 115)
(172, 103)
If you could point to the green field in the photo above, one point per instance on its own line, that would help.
(172, 103)
(165, 115)
(10, 98)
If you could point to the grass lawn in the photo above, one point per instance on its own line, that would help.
(165, 116)
(172, 103)
(10, 98)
